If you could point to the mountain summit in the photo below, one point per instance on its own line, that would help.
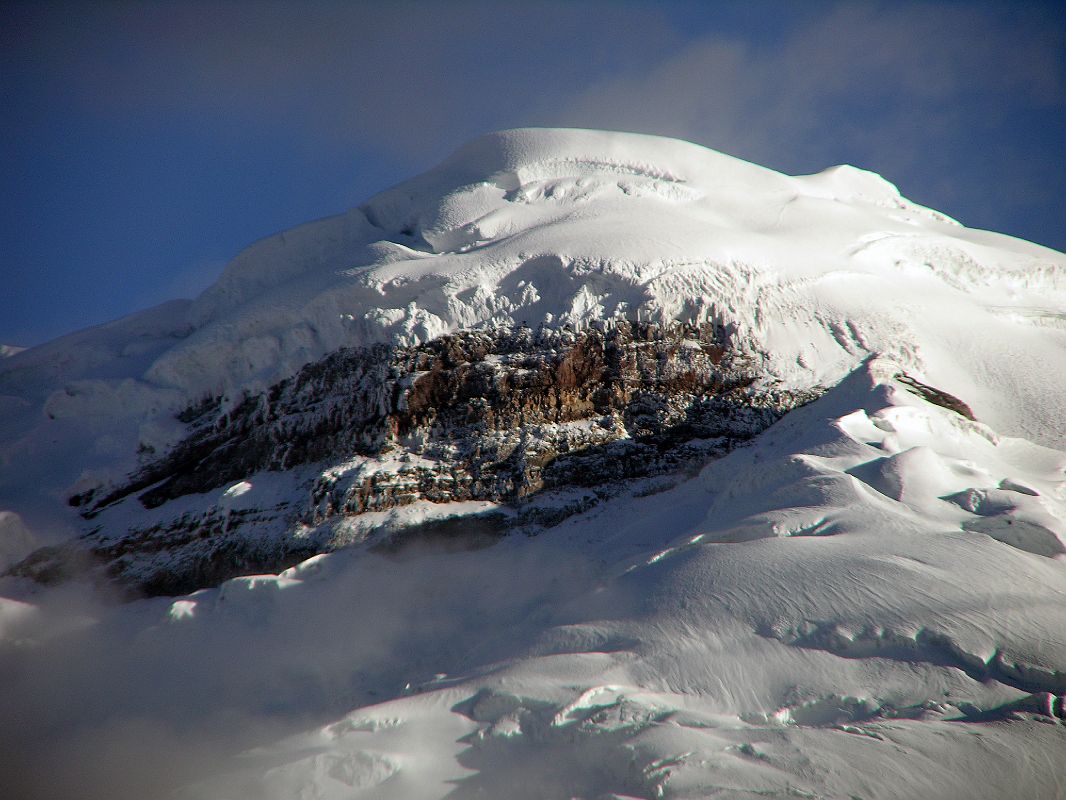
(584, 464)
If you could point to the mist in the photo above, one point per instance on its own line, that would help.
(110, 700)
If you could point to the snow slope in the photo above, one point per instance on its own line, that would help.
(868, 601)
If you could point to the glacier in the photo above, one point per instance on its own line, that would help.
(866, 598)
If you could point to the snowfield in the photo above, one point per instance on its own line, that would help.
(867, 601)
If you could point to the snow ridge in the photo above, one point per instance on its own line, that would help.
(869, 587)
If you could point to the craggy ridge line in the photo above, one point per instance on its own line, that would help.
(541, 424)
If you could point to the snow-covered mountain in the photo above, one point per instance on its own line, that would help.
(584, 465)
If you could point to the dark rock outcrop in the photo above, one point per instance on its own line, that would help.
(937, 397)
(512, 416)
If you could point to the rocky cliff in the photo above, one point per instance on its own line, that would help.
(539, 424)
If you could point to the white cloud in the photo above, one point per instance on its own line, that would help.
(883, 80)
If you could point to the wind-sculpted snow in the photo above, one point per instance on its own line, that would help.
(751, 630)
(865, 599)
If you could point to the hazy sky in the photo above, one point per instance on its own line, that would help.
(144, 144)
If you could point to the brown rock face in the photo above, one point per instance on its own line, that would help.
(511, 416)
(937, 397)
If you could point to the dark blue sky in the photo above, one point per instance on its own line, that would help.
(143, 145)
